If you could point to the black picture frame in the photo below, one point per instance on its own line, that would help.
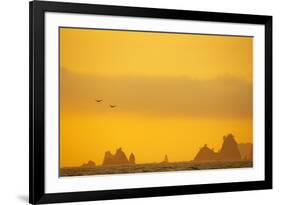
(37, 11)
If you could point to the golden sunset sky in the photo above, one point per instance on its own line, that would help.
(174, 93)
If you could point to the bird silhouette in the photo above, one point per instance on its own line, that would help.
(98, 100)
(112, 106)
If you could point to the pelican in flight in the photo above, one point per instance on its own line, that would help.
(112, 106)
(98, 100)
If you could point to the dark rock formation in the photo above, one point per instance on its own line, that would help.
(246, 151)
(90, 164)
(108, 158)
(206, 154)
(166, 160)
(229, 150)
(132, 159)
(118, 158)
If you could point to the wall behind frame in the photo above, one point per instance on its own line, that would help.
(14, 78)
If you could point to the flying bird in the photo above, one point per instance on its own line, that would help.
(112, 106)
(98, 100)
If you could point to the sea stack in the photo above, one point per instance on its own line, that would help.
(118, 158)
(246, 151)
(90, 164)
(166, 160)
(108, 158)
(206, 154)
(229, 150)
(132, 159)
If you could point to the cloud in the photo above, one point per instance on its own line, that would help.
(224, 96)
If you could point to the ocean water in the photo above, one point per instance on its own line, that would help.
(152, 167)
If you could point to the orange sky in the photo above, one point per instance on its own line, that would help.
(174, 93)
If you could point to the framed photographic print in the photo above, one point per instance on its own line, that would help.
(140, 102)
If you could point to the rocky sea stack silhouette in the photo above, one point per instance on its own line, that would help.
(206, 154)
(90, 164)
(228, 152)
(166, 160)
(132, 159)
(246, 151)
(118, 158)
